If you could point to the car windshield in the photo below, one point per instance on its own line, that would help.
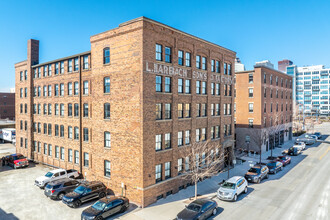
(228, 185)
(18, 157)
(317, 133)
(80, 190)
(272, 164)
(99, 205)
(194, 207)
(254, 170)
(49, 174)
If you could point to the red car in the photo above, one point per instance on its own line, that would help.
(284, 159)
(17, 160)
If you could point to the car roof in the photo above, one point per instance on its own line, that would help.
(57, 170)
(60, 181)
(18, 154)
(234, 179)
(201, 201)
(111, 198)
(91, 183)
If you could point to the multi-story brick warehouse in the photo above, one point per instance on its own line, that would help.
(263, 108)
(7, 105)
(166, 88)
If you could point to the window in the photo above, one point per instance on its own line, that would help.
(70, 132)
(70, 155)
(180, 110)
(168, 55)
(271, 79)
(251, 92)
(76, 110)
(203, 137)
(56, 89)
(204, 63)
(225, 70)
(204, 88)
(265, 92)
(187, 86)
(45, 71)
(56, 130)
(167, 84)
(49, 150)
(198, 135)
(159, 111)
(85, 110)
(225, 109)
(56, 68)
(188, 59)
(49, 70)
(158, 173)
(76, 133)
(167, 140)
(86, 137)
(167, 111)
(49, 129)
(49, 109)
(25, 108)
(212, 66)
(45, 109)
(250, 123)
(62, 110)
(212, 133)
(180, 165)
(70, 66)
(62, 153)
(57, 152)
(250, 107)
(107, 168)
(204, 110)
(180, 138)
(217, 109)
(212, 89)
(86, 159)
(167, 170)
(198, 87)
(198, 62)
(229, 69)
(39, 128)
(76, 157)
(198, 110)
(61, 131)
(158, 84)
(180, 85)
(85, 62)
(49, 90)
(187, 137)
(180, 57)
(265, 79)
(212, 109)
(62, 67)
(45, 149)
(159, 52)
(76, 88)
(85, 88)
(158, 145)
(107, 139)
(45, 91)
(187, 111)
(21, 76)
(106, 85)
(106, 55)
(70, 88)
(250, 78)
(76, 64)
(217, 89)
(106, 110)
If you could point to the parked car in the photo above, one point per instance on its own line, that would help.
(232, 188)
(198, 209)
(294, 151)
(314, 137)
(85, 192)
(306, 140)
(257, 173)
(284, 159)
(57, 174)
(318, 134)
(17, 161)
(300, 145)
(275, 166)
(106, 207)
(58, 188)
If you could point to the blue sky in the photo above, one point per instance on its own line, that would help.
(256, 30)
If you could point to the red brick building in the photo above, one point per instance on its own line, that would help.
(119, 112)
(263, 108)
(7, 106)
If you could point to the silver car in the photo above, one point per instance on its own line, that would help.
(232, 188)
(308, 141)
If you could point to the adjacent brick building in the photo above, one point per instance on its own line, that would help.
(263, 108)
(7, 106)
(118, 112)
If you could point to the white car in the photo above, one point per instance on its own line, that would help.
(57, 174)
(300, 145)
(314, 137)
(232, 188)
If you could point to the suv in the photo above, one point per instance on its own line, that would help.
(257, 173)
(300, 145)
(232, 187)
(17, 160)
(58, 188)
(85, 192)
(55, 175)
(294, 151)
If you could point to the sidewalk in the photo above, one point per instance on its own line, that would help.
(168, 208)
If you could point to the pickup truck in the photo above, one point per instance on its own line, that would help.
(53, 175)
(17, 160)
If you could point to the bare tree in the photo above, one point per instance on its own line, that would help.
(274, 129)
(205, 160)
(257, 138)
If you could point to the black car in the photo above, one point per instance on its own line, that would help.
(294, 151)
(198, 209)
(58, 188)
(106, 207)
(275, 166)
(85, 192)
(318, 134)
(257, 173)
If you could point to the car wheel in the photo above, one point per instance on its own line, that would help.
(102, 194)
(235, 198)
(60, 196)
(275, 171)
(214, 212)
(267, 176)
(258, 181)
(99, 218)
(245, 190)
(15, 167)
(77, 203)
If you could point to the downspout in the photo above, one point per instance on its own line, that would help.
(80, 118)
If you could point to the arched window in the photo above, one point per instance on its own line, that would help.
(106, 55)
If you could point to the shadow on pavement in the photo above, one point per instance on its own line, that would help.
(7, 216)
